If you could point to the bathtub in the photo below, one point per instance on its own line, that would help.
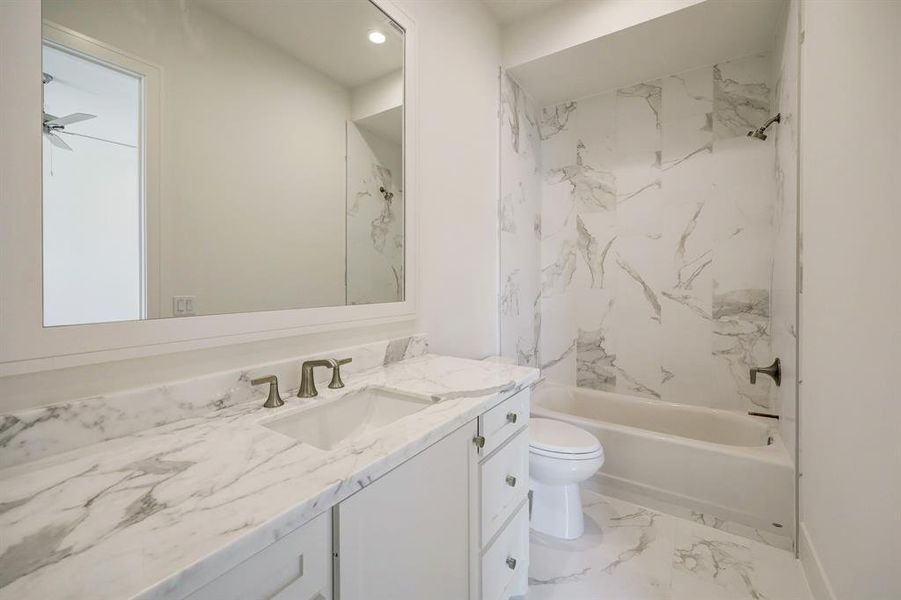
(691, 459)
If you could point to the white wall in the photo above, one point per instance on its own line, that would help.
(572, 23)
(850, 409)
(458, 169)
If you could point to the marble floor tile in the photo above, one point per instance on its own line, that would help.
(629, 552)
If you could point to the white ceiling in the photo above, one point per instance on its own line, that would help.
(329, 35)
(508, 11)
(702, 34)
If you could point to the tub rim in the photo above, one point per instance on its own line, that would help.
(774, 452)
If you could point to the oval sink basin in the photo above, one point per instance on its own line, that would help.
(349, 417)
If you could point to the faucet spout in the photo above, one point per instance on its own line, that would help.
(307, 382)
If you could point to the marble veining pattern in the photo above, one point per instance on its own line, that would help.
(521, 277)
(40, 432)
(655, 258)
(783, 296)
(176, 505)
(375, 218)
(630, 552)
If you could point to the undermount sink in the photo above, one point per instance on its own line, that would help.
(349, 417)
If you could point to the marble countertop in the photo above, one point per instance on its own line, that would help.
(160, 512)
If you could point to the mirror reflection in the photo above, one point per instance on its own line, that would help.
(218, 156)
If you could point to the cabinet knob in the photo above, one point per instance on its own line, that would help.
(511, 480)
(511, 562)
(479, 441)
(511, 417)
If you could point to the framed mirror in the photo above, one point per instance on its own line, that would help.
(208, 157)
(207, 172)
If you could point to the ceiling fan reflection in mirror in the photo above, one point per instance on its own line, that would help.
(53, 125)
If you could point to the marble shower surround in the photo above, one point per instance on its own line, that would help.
(784, 295)
(520, 225)
(37, 433)
(656, 221)
(375, 223)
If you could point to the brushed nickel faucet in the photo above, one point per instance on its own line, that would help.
(307, 384)
(274, 400)
(336, 383)
(307, 381)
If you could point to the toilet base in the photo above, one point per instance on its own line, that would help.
(557, 510)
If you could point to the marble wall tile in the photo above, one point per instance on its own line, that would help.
(521, 275)
(35, 433)
(657, 229)
(741, 95)
(783, 296)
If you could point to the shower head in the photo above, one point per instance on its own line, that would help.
(759, 132)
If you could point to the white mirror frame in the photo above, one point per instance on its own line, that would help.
(27, 346)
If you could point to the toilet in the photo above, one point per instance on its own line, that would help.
(560, 457)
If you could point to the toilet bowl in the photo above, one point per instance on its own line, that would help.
(560, 457)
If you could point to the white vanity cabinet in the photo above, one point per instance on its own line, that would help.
(500, 553)
(407, 534)
(450, 523)
(296, 567)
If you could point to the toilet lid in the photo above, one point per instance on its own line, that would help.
(561, 438)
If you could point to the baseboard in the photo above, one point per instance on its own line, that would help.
(820, 588)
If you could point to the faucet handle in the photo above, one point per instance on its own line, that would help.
(336, 382)
(774, 371)
(274, 400)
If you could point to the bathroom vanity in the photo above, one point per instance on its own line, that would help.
(451, 522)
(238, 502)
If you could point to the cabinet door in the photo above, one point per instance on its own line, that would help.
(297, 567)
(406, 536)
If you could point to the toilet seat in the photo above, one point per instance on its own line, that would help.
(560, 440)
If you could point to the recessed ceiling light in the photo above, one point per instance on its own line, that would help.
(377, 37)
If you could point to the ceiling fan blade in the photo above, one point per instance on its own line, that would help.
(58, 141)
(69, 119)
(93, 137)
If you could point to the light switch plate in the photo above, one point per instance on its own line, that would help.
(183, 306)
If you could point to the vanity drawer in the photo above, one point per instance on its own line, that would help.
(506, 562)
(502, 421)
(504, 479)
(297, 567)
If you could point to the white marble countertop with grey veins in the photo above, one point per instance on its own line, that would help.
(160, 512)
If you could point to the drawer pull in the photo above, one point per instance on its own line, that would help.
(479, 441)
(511, 562)
(511, 417)
(511, 480)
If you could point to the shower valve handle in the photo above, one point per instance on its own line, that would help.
(774, 371)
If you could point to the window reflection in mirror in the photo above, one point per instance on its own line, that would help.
(211, 156)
